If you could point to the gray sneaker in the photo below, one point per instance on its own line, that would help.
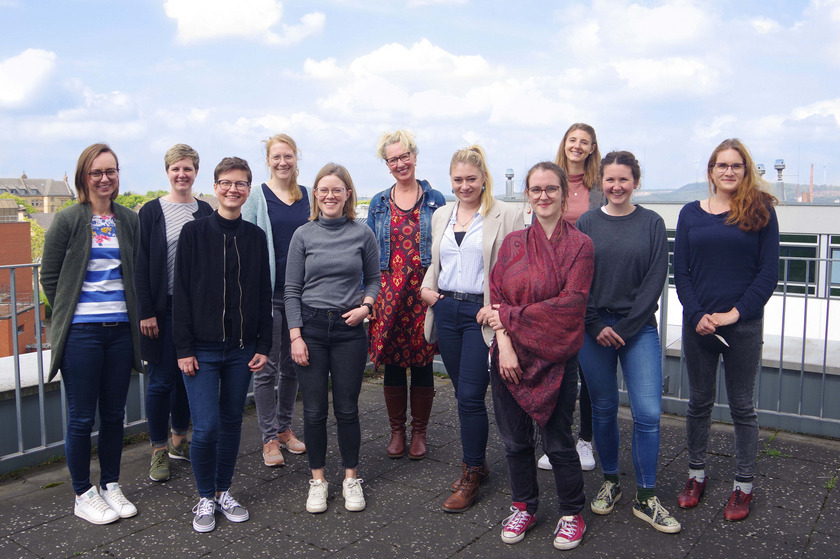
(205, 515)
(232, 510)
(607, 497)
(180, 452)
(160, 466)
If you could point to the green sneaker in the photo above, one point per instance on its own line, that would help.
(180, 452)
(160, 466)
(652, 512)
(607, 497)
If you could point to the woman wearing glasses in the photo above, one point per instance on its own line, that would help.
(726, 267)
(222, 325)
(579, 157)
(538, 289)
(161, 221)
(87, 273)
(326, 309)
(279, 206)
(466, 237)
(631, 264)
(401, 218)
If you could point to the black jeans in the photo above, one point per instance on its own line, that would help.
(337, 352)
(557, 441)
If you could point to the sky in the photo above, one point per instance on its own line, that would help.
(667, 80)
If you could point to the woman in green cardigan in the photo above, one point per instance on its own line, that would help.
(87, 273)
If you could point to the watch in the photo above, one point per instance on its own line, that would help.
(369, 306)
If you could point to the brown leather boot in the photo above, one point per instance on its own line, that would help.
(485, 473)
(467, 492)
(421, 408)
(396, 401)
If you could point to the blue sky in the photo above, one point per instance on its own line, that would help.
(667, 80)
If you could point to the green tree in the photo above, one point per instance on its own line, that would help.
(36, 234)
(20, 201)
(152, 194)
(131, 200)
(67, 204)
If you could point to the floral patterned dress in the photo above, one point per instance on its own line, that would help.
(396, 333)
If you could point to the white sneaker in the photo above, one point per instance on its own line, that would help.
(113, 495)
(354, 497)
(91, 507)
(587, 458)
(543, 463)
(231, 508)
(317, 500)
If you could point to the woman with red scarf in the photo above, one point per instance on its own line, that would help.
(539, 288)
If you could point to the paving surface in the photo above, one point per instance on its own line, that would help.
(796, 511)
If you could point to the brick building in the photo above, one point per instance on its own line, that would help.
(16, 249)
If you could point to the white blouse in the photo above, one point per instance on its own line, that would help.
(462, 266)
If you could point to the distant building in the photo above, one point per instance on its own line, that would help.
(45, 195)
(16, 249)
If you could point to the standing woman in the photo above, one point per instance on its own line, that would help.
(401, 218)
(726, 267)
(161, 221)
(87, 273)
(326, 309)
(579, 157)
(279, 207)
(466, 237)
(631, 264)
(222, 328)
(538, 289)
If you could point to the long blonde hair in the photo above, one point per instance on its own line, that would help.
(474, 155)
(590, 165)
(297, 194)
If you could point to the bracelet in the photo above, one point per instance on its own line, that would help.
(369, 307)
(293, 339)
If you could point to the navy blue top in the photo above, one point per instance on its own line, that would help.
(718, 266)
(285, 220)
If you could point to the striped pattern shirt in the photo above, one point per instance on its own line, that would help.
(462, 266)
(103, 294)
(175, 215)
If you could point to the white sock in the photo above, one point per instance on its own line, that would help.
(744, 486)
(699, 475)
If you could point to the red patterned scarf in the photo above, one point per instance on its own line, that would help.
(541, 286)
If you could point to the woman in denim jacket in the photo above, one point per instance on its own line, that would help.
(401, 218)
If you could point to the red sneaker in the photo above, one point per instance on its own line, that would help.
(569, 532)
(691, 493)
(738, 507)
(515, 525)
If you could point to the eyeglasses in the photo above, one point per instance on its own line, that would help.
(110, 173)
(736, 167)
(324, 192)
(227, 185)
(550, 191)
(392, 161)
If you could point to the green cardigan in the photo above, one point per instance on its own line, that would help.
(64, 264)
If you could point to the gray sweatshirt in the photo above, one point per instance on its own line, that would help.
(332, 264)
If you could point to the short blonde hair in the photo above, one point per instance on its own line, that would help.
(474, 155)
(402, 136)
(343, 175)
(179, 152)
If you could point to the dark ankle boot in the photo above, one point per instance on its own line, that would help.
(421, 408)
(467, 492)
(396, 402)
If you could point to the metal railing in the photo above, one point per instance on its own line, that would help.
(797, 387)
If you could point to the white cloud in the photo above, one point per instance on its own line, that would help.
(828, 107)
(421, 3)
(203, 20)
(764, 25)
(24, 75)
(665, 77)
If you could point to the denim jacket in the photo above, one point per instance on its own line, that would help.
(379, 219)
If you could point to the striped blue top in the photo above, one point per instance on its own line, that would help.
(103, 294)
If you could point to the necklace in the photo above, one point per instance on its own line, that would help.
(414, 205)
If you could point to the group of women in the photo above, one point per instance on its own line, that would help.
(561, 301)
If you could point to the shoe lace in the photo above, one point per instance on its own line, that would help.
(117, 497)
(606, 492)
(737, 495)
(354, 488)
(98, 504)
(159, 458)
(227, 502)
(517, 521)
(316, 489)
(204, 507)
(585, 449)
(567, 528)
(659, 513)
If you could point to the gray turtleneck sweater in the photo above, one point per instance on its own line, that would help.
(332, 264)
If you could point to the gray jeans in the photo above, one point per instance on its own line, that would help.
(741, 361)
(274, 413)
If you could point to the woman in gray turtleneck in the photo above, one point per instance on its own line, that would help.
(326, 309)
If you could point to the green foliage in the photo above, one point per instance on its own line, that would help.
(36, 234)
(20, 201)
(152, 194)
(131, 200)
(831, 484)
(67, 204)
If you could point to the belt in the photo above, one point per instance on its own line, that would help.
(461, 296)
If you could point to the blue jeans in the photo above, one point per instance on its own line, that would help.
(464, 355)
(517, 432)
(642, 369)
(740, 362)
(217, 400)
(274, 414)
(96, 371)
(166, 394)
(337, 353)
